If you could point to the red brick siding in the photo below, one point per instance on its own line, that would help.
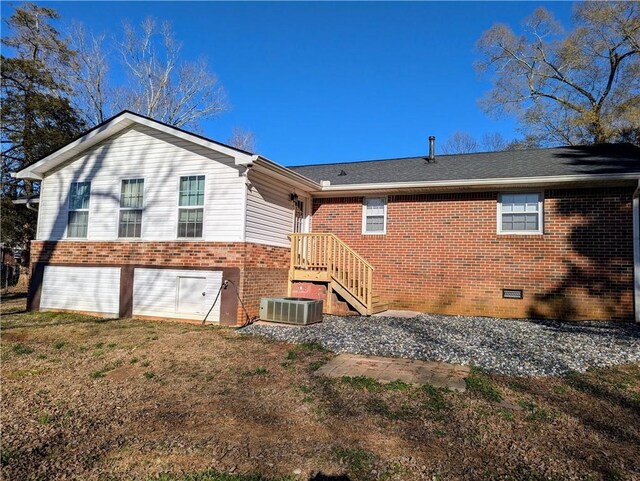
(442, 254)
(263, 269)
(265, 274)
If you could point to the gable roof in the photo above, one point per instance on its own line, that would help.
(114, 125)
(613, 161)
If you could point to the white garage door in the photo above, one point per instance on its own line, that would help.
(90, 289)
(182, 294)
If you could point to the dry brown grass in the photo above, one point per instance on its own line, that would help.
(122, 399)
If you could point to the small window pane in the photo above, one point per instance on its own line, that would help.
(78, 223)
(130, 223)
(374, 215)
(190, 223)
(132, 193)
(520, 212)
(191, 190)
(375, 223)
(79, 195)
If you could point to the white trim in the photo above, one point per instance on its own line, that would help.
(526, 181)
(540, 213)
(116, 124)
(306, 214)
(364, 215)
(636, 251)
(35, 200)
(203, 207)
(279, 172)
(245, 201)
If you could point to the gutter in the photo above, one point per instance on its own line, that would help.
(278, 169)
(30, 202)
(327, 187)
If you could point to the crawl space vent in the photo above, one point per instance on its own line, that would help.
(512, 293)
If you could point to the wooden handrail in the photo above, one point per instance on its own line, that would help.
(292, 236)
(326, 252)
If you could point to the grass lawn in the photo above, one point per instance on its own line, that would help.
(84, 398)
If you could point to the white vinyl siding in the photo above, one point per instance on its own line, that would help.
(89, 289)
(156, 293)
(374, 215)
(161, 159)
(520, 213)
(269, 211)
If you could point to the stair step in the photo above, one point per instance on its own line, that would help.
(376, 308)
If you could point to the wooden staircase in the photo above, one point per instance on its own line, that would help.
(325, 258)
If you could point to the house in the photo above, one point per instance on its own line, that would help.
(138, 218)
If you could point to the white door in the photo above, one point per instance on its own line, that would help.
(176, 293)
(192, 295)
(88, 289)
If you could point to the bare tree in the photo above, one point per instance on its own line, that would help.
(580, 87)
(160, 84)
(243, 139)
(493, 142)
(94, 97)
(460, 143)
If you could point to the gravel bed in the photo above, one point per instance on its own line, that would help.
(514, 347)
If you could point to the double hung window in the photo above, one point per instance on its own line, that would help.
(78, 218)
(191, 206)
(131, 205)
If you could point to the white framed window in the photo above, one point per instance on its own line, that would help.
(78, 218)
(520, 213)
(191, 206)
(374, 215)
(131, 204)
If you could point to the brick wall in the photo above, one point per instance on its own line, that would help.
(442, 254)
(263, 269)
(265, 274)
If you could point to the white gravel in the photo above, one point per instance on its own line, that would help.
(515, 347)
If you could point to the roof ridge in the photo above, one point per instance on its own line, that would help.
(461, 154)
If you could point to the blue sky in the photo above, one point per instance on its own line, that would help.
(327, 82)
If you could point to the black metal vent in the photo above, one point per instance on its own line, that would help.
(512, 293)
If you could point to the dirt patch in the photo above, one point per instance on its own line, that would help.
(84, 398)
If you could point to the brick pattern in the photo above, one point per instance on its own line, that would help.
(318, 290)
(265, 274)
(263, 269)
(442, 254)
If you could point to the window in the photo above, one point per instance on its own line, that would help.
(78, 220)
(374, 216)
(131, 203)
(191, 206)
(520, 213)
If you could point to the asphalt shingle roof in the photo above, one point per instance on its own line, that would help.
(551, 162)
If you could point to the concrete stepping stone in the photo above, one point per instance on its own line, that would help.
(385, 370)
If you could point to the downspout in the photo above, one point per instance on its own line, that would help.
(31, 206)
(636, 252)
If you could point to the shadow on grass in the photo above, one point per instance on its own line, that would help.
(327, 477)
(608, 410)
(48, 319)
(12, 296)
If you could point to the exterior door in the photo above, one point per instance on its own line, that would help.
(192, 297)
(176, 293)
(299, 217)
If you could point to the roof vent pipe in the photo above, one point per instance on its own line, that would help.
(432, 148)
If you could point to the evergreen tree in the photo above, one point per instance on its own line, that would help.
(37, 117)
